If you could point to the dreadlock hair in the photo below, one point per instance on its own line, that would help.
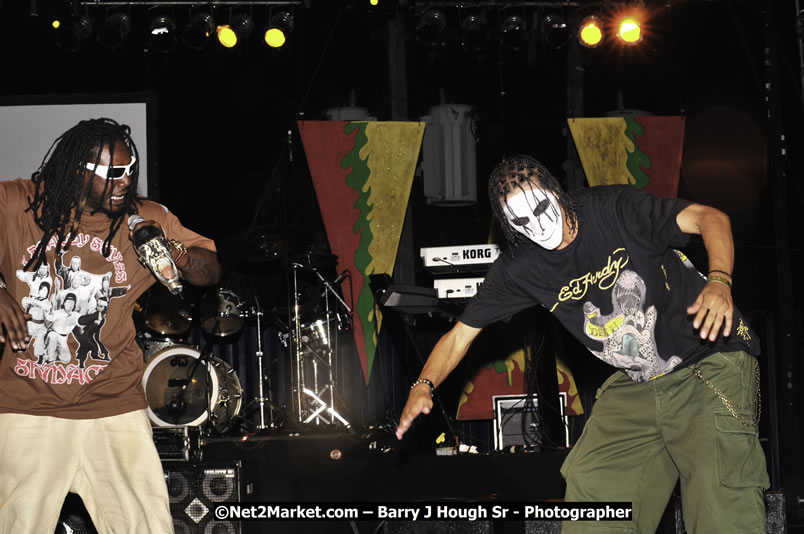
(515, 174)
(60, 193)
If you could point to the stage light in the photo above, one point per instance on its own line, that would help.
(474, 34)
(590, 33)
(196, 34)
(629, 30)
(229, 35)
(279, 30)
(55, 24)
(555, 32)
(430, 28)
(162, 33)
(513, 32)
(113, 32)
(69, 36)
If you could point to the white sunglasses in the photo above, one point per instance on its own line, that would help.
(115, 172)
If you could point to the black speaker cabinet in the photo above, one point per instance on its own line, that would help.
(195, 489)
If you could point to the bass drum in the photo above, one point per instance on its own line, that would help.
(177, 382)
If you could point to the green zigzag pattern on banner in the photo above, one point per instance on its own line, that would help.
(637, 160)
(357, 180)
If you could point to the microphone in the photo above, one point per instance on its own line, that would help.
(153, 252)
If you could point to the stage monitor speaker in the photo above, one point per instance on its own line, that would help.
(518, 421)
(74, 518)
(195, 490)
(437, 527)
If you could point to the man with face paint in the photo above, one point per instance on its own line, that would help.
(682, 403)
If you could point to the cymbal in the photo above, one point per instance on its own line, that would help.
(261, 249)
(167, 324)
(316, 260)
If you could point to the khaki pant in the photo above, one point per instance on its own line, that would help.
(110, 462)
(642, 438)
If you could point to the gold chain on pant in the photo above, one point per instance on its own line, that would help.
(730, 405)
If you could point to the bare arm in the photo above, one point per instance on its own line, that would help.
(200, 266)
(13, 328)
(446, 355)
(197, 265)
(714, 306)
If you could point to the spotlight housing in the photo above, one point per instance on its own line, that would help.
(474, 33)
(113, 32)
(513, 33)
(162, 33)
(555, 32)
(279, 29)
(196, 34)
(239, 28)
(69, 36)
(430, 28)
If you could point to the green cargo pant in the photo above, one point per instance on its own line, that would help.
(641, 438)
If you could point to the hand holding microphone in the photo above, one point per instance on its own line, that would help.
(153, 252)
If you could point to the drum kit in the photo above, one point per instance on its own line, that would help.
(187, 386)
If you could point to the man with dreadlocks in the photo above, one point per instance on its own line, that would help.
(683, 403)
(73, 420)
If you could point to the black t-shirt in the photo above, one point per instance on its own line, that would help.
(620, 287)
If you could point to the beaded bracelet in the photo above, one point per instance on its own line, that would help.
(424, 381)
(720, 279)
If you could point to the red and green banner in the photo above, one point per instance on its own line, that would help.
(641, 150)
(362, 173)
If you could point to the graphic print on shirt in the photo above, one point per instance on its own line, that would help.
(627, 333)
(74, 304)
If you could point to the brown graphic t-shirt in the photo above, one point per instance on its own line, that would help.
(83, 360)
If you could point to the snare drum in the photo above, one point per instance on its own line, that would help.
(151, 345)
(314, 336)
(176, 383)
(222, 313)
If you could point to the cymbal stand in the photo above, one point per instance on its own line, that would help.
(314, 402)
(297, 374)
(328, 389)
(261, 399)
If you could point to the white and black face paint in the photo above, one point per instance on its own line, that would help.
(536, 215)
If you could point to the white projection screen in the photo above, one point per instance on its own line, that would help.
(30, 124)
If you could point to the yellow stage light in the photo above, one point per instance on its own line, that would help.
(56, 23)
(591, 33)
(275, 37)
(279, 30)
(227, 36)
(629, 30)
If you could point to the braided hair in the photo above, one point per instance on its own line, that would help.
(60, 192)
(517, 174)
